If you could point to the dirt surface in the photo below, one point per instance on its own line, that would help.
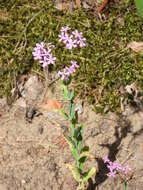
(34, 155)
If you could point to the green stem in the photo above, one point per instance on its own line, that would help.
(125, 185)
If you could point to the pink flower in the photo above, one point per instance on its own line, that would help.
(82, 42)
(115, 167)
(39, 51)
(49, 59)
(111, 174)
(63, 37)
(68, 71)
(71, 41)
(79, 38)
(106, 159)
(126, 169)
(77, 34)
(44, 55)
(74, 66)
(65, 29)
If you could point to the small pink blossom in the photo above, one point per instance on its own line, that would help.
(63, 37)
(126, 169)
(77, 34)
(39, 51)
(65, 29)
(115, 167)
(44, 55)
(106, 159)
(68, 71)
(111, 174)
(71, 41)
(79, 38)
(82, 42)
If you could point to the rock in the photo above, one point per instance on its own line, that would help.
(121, 21)
(2, 186)
(136, 46)
(32, 89)
(136, 121)
(95, 131)
(21, 103)
(62, 6)
(59, 5)
(85, 5)
(128, 110)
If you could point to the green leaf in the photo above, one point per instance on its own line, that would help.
(75, 153)
(72, 147)
(79, 145)
(65, 91)
(81, 162)
(68, 95)
(71, 95)
(78, 133)
(72, 111)
(75, 118)
(78, 137)
(69, 141)
(66, 116)
(65, 94)
(89, 174)
(84, 151)
(139, 5)
(71, 130)
(75, 172)
(99, 1)
(62, 112)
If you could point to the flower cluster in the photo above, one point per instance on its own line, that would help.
(73, 40)
(115, 167)
(44, 55)
(68, 71)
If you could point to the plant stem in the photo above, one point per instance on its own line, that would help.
(125, 185)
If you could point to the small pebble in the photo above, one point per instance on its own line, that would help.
(23, 181)
(41, 130)
(94, 132)
(64, 128)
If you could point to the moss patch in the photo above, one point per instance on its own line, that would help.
(105, 64)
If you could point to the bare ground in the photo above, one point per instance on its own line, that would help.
(34, 155)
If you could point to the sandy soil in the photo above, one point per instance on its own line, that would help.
(33, 153)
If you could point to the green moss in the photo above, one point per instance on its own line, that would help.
(105, 64)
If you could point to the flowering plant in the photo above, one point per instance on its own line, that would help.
(115, 168)
(75, 141)
(44, 55)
